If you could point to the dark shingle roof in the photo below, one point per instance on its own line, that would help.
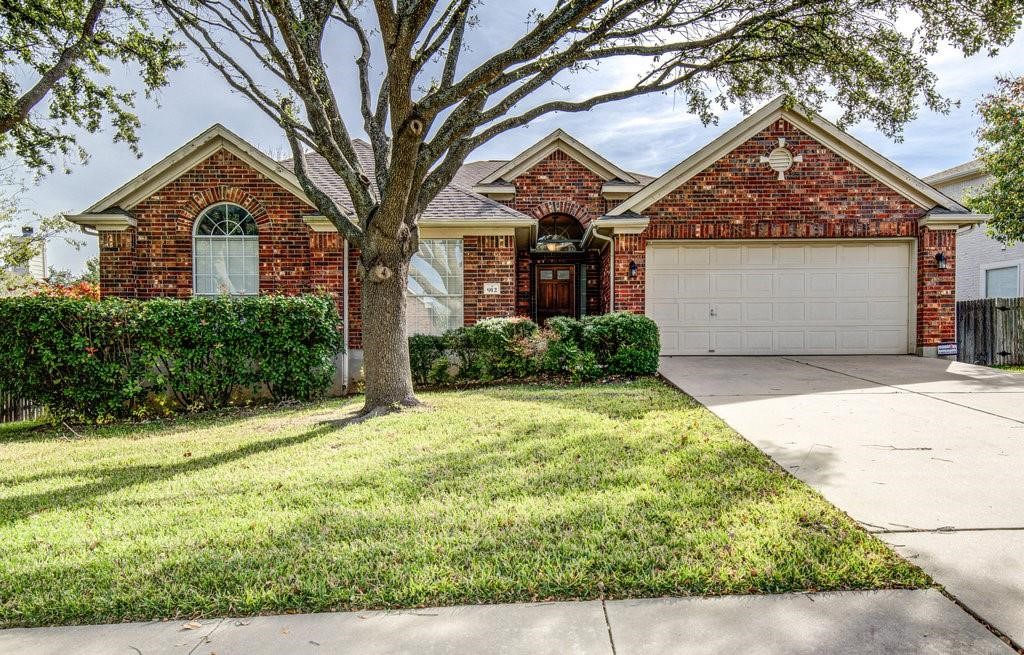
(454, 202)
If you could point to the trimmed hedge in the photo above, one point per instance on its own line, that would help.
(95, 360)
(515, 348)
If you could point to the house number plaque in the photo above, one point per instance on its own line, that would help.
(492, 288)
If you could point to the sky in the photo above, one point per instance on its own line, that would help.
(647, 134)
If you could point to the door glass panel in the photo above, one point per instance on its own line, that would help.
(563, 275)
(546, 275)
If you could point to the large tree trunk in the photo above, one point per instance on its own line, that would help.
(384, 269)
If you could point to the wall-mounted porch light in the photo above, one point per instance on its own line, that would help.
(940, 260)
(633, 269)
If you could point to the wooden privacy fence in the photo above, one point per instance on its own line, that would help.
(990, 331)
(17, 409)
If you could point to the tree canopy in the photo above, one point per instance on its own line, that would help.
(435, 79)
(1001, 149)
(55, 65)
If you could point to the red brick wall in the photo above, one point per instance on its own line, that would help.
(524, 284)
(162, 262)
(936, 298)
(629, 291)
(117, 264)
(740, 198)
(558, 183)
(488, 259)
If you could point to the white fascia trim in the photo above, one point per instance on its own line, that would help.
(319, 223)
(820, 129)
(192, 153)
(558, 140)
(619, 191)
(102, 222)
(623, 225)
(479, 222)
(495, 191)
(951, 221)
(324, 224)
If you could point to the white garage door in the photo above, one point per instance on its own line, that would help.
(778, 298)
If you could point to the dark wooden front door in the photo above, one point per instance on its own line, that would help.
(556, 291)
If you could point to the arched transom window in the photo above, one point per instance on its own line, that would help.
(225, 252)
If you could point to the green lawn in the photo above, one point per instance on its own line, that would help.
(498, 494)
(1011, 368)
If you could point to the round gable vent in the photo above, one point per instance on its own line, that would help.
(781, 159)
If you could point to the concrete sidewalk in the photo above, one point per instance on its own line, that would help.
(861, 623)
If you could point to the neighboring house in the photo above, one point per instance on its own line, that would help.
(784, 235)
(985, 267)
(35, 268)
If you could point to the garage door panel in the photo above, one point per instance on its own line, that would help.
(889, 284)
(855, 285)
(726, 285)
(664, 313)
(698, 257)
(789, 284)
(896, 255)
(663, 285)
(789, 341)
(790, 312)
(756, 284)
(791, 256)
(822, 256)
(696, 285)
(821, 285)
(727, 257)
(759, 312)
(696, 313)
(821, 312)
(780, 297)
(892, 312)
(758, 256)
(854, 256)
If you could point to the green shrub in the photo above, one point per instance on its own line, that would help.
(624, 343)
(80, 358)
(205, 350)
(503, 348)
(494, 348)
(424, 350)
(95, 359)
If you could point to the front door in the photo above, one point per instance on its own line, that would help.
(556, 291)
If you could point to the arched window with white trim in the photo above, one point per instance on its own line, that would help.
(225, 252)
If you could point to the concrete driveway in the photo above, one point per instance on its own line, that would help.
(926, 453)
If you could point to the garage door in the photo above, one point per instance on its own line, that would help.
(778, 298)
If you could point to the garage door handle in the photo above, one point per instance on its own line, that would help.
(713, 311)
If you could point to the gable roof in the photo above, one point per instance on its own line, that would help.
(216, 138)
(558, 140)
(453, 203)
(973, 168)
(825, 132)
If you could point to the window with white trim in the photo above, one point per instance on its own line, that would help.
(1002, 282)
(435, 299)
(225, 252)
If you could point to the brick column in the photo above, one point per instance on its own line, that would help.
(488, 259)
(936, 298)
(629, 291)
(117, 263)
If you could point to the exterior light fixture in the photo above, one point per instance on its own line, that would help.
(632, 269)
(940, 260)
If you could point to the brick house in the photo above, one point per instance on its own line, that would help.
(785, 235)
